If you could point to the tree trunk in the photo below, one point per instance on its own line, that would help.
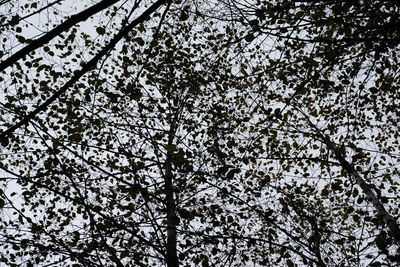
(351, 171)
(171, 256)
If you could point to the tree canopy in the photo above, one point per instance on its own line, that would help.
(199, 133)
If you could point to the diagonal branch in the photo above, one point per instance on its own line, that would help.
(85, 68)
(351, 171)
(35, 12)
(389, 220)
(73, 20)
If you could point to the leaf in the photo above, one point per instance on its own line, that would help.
(140, 41)
(76, 137)
(170, 147)
(124, 254)
(21, 39)
(183, 16)
(185, 214)
(290, 263)
(232, 172)
(380, 241)
(249, 37)
(24, 243)
(5, 141)
(14, 20)
(100, 30)
(56, 143)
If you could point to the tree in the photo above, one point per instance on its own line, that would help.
(207, 133)
(338, 75)
(109, 158)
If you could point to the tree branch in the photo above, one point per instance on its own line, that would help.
(78, 74)
(351, 171)
(73, 20)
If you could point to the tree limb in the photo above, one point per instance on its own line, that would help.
(85, 68)
(73, 20)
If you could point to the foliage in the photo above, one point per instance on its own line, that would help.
(211, 133)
